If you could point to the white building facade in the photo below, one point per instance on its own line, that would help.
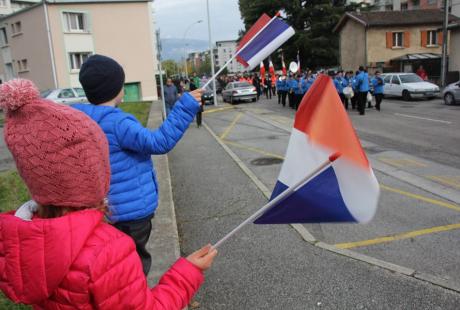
(225, 50)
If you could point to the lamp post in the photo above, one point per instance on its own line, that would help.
(183, 39)
(211, 50)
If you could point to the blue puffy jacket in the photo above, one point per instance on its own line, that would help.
(133, 191)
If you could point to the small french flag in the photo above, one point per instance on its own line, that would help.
(347, 189)
(262, 39)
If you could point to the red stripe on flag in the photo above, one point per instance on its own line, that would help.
(323, 118)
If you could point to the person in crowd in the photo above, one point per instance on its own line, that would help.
(348, 82)
(362, 86)
(133, 194)
(354, 99)
(57, 250)
(422, 73)
(279, 87)
(273, 78)
(268, 87)
(195, 82)
(305, 85)
(256, 84)
(298, 93)
(339, 83)
(378, 84)
(170, 95)
(291, 85)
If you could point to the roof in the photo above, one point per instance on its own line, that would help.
(395, 18)
(418, 56)
(40, 3)
(92, 1)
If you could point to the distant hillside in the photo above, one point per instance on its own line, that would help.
(176, 48)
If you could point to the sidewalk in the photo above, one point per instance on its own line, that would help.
(270, 266)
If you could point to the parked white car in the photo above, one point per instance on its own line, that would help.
(408, 86)
(65, 95)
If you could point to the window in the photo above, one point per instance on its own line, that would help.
(9, 71)
(415, 3)
(22, 65)
(397, 39)
(80, 92)
(77, 59)
(3, 37)
(66, 93)
(75, 22)
(403, 6)
(2, 2)
(387, 79)
(395, 80)
(432, 37)
(16, 28)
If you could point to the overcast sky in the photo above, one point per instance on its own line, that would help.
(174, 16)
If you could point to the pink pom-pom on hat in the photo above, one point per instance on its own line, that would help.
(17, 93)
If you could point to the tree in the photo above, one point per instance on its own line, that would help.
(170, 67)
(313, 21)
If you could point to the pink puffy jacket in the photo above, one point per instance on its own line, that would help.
(78, 261)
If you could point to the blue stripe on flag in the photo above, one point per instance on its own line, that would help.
(267, 35)
(317, 201)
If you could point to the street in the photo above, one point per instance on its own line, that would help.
(414, 149)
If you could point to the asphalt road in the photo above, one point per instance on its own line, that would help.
(271, 267)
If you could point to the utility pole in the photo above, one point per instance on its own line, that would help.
(161, 72)
(211, 49)
(444, 44)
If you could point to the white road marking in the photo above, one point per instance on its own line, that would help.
(424, 118)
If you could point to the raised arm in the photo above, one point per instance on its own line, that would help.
(131, 135)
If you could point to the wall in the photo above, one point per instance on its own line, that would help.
(352, 46)
(31, 44)
(454, 59)
(123, 31)
(378, 52)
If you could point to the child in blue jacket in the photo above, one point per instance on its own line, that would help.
(133, 194)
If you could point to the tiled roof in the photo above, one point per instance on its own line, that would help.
(396, 18)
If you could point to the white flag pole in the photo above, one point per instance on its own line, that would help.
(239, 51)
(280, 197)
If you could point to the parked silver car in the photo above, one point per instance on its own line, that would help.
(65, 95)
(237, 91)
(451, 93)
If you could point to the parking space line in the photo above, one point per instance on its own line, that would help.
(445, 180)
(422, 198)
(406, 235)
(401, 162)
(232, 124)
(423, 118)
(253, 149)
(218, 110)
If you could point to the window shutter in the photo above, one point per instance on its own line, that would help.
(440, 38)
(424, 36)
(389, 39)
(406, 39)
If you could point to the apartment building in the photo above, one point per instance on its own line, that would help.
(49, 41)
(403, 5)
(225, 51)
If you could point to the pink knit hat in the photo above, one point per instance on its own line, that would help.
(61, 154)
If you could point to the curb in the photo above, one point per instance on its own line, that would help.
(309, 238)
(164, 240)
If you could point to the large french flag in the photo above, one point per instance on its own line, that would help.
(262, 39)
(345, 191)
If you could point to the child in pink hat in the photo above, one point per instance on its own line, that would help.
(58, 253)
